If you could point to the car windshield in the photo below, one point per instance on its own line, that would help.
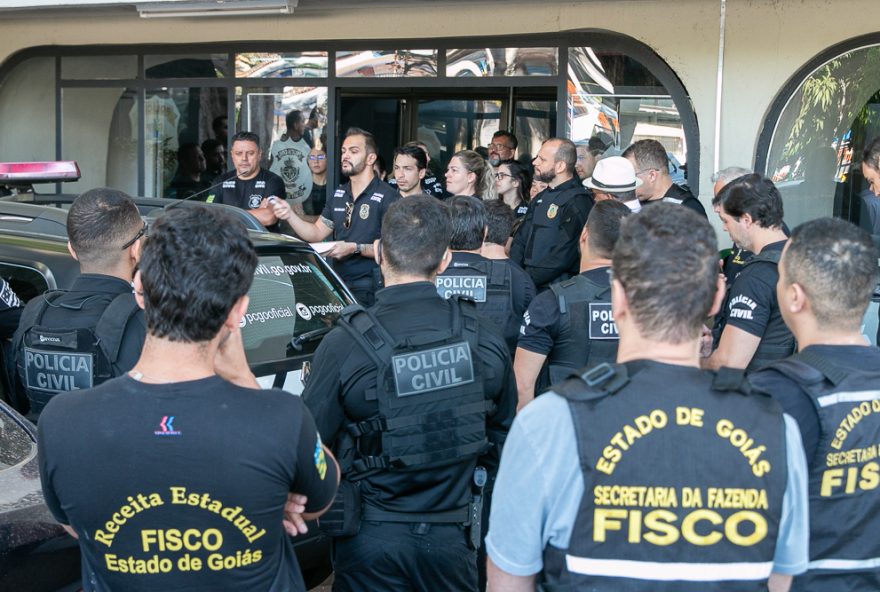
(293, 294)
(16, 445)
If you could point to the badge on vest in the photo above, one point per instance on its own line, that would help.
(602, 325)
(55, 372)
(552, 210)
(471, 286)
(364, 212)
(433, 369)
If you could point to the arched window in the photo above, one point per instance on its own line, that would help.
(815, 132)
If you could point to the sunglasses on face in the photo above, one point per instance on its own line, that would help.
(314, 157)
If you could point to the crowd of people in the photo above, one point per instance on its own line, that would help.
(561, 386)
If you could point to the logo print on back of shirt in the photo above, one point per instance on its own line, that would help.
(166, 427)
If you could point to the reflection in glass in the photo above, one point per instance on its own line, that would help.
(100, 131)
(27, 113)
(395, 63)
(511, 61)
(829, 118)
(301, 64)
(98, 67)
(176, 117)
(447, 126)
(185, 66)
(266, 116)
(534, 122)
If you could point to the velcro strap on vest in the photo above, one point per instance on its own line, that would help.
(458, 516)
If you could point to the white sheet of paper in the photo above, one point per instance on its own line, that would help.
(322, 248)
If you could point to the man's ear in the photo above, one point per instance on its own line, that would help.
(485, 232)
(233, 319)
(746, 219)
(444, 263)
(138, 288)
(135, 250)
(422, 173)
(71, 251)
(720, 292)
(797, 301)
(619, 301)
(372, 157)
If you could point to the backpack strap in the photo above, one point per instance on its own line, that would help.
(594, 383)
(110, 328)
(368, 334)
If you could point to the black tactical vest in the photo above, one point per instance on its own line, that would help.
(683, 482)
(490, 285)
(777, 343)
(432, 409)
(844, 475)
(587, 333)
(546, 218)
(54, 360)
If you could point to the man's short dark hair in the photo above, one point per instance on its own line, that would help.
(669, 297)
(603, 224)
(499, 220)
(412, 151)
(292, 118)
(369, 139)
(195, 266)
(871, 155)
(415, 235)
(566, 152)
(835, 263)
(210, 145)
(468, 216)
(99, 223)
(649, 154)
(245, 137)
(184, 150)
(509, 138)
(755, 195)
(217, 121)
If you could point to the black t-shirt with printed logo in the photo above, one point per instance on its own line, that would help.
(247, 195)
(182, 486)
(751, 302)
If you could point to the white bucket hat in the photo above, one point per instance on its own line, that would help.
(613, 174)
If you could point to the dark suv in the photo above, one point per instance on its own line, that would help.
(294, 300)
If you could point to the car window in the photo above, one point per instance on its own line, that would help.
(16, 445)
(25, 281)
(292, 295)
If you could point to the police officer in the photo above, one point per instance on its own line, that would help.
(428, 181)
(353, 215)
(80, 338)
(546, 245)
(749, 331)
(572, 323)
(249, 186)
(500, 294)
(827, 274)
(733, 263)
(413, 394)
(652, 474)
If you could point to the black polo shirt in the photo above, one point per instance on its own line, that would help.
(247, 195)
(682, 196)
(366, 223)
(751, 303)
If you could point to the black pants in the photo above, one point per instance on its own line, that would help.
(405, 558)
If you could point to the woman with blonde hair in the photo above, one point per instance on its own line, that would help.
(468, 173)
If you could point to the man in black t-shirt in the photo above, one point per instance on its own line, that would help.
(585, 333)
(352, 215)
(749, 331)
(651, 162)
(249, 186)
(176, 475)
(827, 387)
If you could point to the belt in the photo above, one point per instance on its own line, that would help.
(457, 516)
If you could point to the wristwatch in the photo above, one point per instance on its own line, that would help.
(357, 249)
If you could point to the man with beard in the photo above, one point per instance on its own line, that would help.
(352, 215)
(503, 147)
(546, 245)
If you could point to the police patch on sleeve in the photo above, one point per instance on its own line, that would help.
(433, 369)
(742, 307)
(320, 458)
(602, 325)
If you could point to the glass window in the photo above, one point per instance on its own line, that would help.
(510, 61)
(292, 294)
(303, 64)
(266, 115)
(100, 132)
(25, 281)
(27, 110)
(16, 445)
(395, 63)
(185, 66)
(176, 119)
(830, 117)
(107, 67)
(447, 126)
(534, 122)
